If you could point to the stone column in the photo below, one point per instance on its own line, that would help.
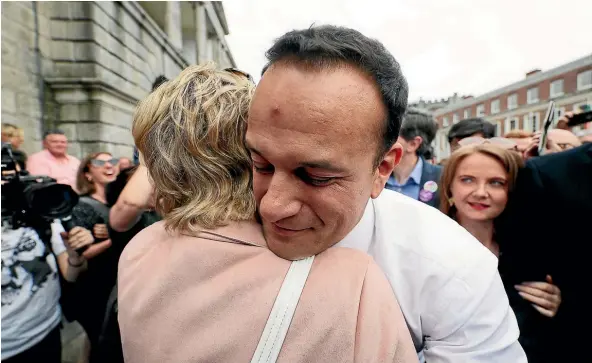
(201, 36)
(173, 23)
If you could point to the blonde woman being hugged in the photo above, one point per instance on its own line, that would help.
(201, 285)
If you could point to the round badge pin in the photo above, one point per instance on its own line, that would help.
(430, 186)
(425, 196)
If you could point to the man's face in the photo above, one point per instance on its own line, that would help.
(56, 144)
(314, 137)
(454, 145)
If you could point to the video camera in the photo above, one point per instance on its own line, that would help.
(27, 198)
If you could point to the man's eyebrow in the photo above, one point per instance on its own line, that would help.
(321, 164)
(325, 165)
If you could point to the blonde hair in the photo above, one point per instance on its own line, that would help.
(83, 185)
(519, 134)
(510, 160)
(10, 130)
(191, 135)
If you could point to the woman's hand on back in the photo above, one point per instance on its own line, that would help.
(544, 296)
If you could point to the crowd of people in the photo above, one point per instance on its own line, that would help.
(303, 219)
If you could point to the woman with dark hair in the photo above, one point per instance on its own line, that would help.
(86, 299)
(107, 348)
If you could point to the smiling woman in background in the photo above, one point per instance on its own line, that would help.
(85, 301)
(477, 182)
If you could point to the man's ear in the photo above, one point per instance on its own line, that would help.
(417, 140)
(385, 169)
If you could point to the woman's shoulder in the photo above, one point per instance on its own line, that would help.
(344, 256)
(145, 241)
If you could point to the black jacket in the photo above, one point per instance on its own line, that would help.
(547, 229)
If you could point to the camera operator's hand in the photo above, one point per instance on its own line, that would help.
(96, 249)
(78, 237)
(100, 231)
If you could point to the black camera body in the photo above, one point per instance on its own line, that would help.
(27, 199)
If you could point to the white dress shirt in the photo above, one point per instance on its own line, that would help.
(446, 282)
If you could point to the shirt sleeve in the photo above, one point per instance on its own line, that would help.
(484, 329)
(57, 243)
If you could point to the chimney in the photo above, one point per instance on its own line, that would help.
(533, 72)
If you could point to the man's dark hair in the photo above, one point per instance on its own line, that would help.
(53, 132)
(328, 46)
(158, 81)
(419, 123)
(471, 126)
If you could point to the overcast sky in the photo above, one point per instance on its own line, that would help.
(444, 46)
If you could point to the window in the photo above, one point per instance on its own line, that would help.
(585, 80)
(495, 106)
(559, 112)
(480, 110)
(532, 95)
(467, 113)
(556, 88)
(531, 122)
(444, 121)
(455, 118)
(498, 128)
(511, 124)
(512, 101)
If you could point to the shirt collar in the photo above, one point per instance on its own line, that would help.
(50, 156)
(360, 237)
(417, 171)
(415, 175)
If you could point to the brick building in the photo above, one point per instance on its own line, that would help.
(521, 105)
(83, 66)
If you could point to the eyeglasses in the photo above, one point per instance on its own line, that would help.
(99, 163)
(239, 73)
(502, 142)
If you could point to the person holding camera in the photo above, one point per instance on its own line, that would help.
(31, 312)
(35, 246)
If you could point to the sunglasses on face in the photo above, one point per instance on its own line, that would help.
(502, 142)
(239, 73)
(99, 163)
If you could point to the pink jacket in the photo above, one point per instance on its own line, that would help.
(198, 299)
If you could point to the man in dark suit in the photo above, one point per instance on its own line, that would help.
(546, 231)
(414, 176)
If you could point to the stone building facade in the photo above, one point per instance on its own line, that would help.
(83, 66)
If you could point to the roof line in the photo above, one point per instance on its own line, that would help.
(536, 78)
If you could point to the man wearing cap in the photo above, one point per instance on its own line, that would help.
(413, 176)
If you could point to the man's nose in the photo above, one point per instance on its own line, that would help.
(280, 201)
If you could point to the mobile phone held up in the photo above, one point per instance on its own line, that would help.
(584, 116)
(549, 118)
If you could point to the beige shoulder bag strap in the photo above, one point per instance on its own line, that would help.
(279, 320)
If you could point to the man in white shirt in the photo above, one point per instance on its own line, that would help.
(322, 134)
